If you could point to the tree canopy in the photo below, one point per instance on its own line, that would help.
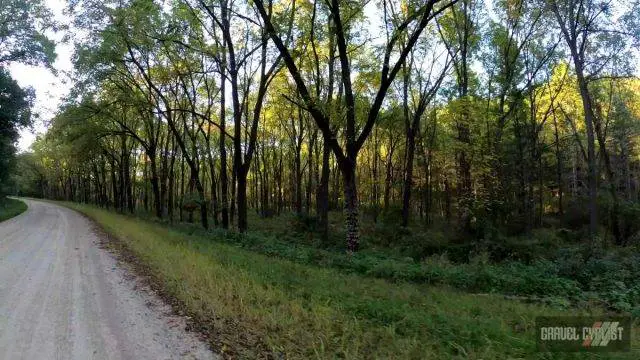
(23, 37)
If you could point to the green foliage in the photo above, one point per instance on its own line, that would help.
(10, 208)
(540, 279)
(629, 213)
(22, 33)
(27, 179)
(304, 223)
(15, 106)
(541, 266)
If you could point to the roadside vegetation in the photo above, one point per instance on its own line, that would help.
(10, 208)
(258, 305)
(550, 266)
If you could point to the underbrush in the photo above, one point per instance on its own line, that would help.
(545, 266)
(10, 208)
(262, 306)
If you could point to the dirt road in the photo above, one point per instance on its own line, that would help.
(62, 296)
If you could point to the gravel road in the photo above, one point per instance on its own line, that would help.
(62, 296)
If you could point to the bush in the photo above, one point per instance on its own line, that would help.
(575, 214)
(389, 234)
(538, 244)
(304, 223)
(629, 214)
(540, 279)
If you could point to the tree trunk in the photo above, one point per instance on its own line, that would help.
(615, 211)
(375, 184)
(591, 152)
(298, 181)
(203, 204)
(232, 210)
(224, 182)
(388, 176)
(408, 177)
(558, 165)
(351, 207)
(114, 186)
(172, 182)
(155, 186)
(322, 200)
(242, 199)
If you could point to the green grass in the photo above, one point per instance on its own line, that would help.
(10, 208)
(554, 272)
(253, 304)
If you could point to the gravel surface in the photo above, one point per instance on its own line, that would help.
(63, 296)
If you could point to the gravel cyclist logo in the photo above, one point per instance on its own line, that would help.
(601, 333)
(583, 334)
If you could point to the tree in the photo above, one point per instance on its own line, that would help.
(460, 36)
(238, 59)
(23, 26)
(411, 26)
(413, 114)
(594, 43)
(15, 105)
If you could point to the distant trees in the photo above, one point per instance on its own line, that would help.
(15, 112)
(596, 46)
(415, 114)
(22, 40)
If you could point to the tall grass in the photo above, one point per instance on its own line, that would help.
(10, 208)
(255, 306)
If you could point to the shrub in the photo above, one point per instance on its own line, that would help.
(575, 214)
(629, 214)
(304, 223)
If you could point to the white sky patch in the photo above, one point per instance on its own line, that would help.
(50, 89)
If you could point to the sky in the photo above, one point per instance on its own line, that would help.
(50, 89)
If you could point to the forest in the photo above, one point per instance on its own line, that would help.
(437, 117)
(413, 141)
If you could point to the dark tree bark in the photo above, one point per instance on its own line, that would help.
(241, 157)
(224, 182)
(559, 165)
(323, 193)
(611, 178)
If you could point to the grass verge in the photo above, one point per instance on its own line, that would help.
(567, 276)
(10, 208)
(255, 306)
